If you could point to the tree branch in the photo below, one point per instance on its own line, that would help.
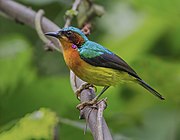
(25, 15)
(72, 13)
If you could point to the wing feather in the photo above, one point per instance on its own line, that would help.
(99, 56)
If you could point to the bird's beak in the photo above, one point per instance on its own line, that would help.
(53, 34)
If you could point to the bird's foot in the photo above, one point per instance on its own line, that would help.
(93, 103)
(82, 87)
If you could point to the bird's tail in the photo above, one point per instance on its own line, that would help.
(150, 89)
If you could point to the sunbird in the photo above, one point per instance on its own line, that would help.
(94, 63)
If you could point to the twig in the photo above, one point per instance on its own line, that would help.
(101, 106)
(50, 46)
(18, 12)
(72, 12)
(73, 123)
(88, 113)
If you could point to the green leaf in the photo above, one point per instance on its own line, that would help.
(38, 125)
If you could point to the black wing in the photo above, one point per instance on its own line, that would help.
(115, 62)
(111, 61)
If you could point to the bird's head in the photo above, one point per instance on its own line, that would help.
(69, 35)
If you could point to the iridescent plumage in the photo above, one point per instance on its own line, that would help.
(93, 63)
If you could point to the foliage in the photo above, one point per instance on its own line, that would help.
(144, 32)
(41, 124)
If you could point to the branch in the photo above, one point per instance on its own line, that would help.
(49, 45)
(72, 12)
(21, 14)
(92, 116)
(25, 15)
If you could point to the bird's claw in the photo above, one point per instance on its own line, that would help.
(93, 103)
(87, 103)
(82, 87)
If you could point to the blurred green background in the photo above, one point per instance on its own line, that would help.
(36, 98)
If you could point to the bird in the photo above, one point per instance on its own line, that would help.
(94, 63)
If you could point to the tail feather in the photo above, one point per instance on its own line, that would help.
(150, 89)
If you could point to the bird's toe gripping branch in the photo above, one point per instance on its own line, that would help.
(93, 103)
(82, 87)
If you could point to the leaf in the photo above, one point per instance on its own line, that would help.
(38, 125)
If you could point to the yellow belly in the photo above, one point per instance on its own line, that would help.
(99, 76)
(102, 76)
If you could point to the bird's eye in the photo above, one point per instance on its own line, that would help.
(69, 33)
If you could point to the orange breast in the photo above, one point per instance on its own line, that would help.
(71, 55)
(72, 59)
(75, 63)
